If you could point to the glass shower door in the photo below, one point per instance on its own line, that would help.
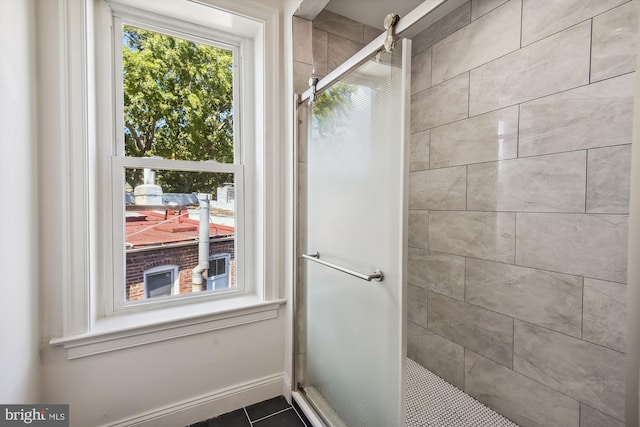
(355, 175)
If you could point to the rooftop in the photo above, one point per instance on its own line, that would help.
(159, 228)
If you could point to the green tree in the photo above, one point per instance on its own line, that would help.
(178, 104)
(330, 106)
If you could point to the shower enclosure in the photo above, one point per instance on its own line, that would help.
(354, 264)
(501, 219)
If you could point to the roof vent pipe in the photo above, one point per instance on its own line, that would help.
(203, 245)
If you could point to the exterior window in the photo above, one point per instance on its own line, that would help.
(160, 281)
(218, 274)
(177, 167)
(176, 116)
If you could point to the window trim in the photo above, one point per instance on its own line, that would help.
(87, 131)
(114, 298)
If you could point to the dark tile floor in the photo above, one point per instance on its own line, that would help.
(274, 412)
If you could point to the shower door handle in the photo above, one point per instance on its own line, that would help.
(377, 274)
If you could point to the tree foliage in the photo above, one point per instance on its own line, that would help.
(330, 107)
(178, 104)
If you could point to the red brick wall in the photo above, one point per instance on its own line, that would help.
(185, 257)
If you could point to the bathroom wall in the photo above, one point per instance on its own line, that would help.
(521, 120)
(320, 46)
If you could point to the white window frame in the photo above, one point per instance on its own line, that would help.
(175, 287)
(90, 324)
(242, 155)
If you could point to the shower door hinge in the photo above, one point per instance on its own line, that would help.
(390, 22)
(313, 84)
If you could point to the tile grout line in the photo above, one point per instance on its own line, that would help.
(244, 408)
(270, 415)
(518, 134)
(582, 313)
(586, 178)
(521, 21)
(590, 48)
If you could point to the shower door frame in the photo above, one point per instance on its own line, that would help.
(327, 418)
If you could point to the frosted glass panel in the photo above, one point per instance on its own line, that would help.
(355, 168)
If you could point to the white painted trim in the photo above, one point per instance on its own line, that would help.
(208, 405)
(88, 137)
(75, 204)
(114, 336)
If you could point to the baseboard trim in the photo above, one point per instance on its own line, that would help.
(208, 405)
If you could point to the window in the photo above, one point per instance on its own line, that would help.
(104, 241)
(218, 274)
(178, 153)
(161, 281)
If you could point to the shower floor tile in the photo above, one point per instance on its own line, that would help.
(431, 401)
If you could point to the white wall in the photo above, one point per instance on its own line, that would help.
(119, 386)
(19, 332)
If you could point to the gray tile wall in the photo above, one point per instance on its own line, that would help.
(521, 122)
(335, 39)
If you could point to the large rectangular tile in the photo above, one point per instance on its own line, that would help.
(440, 104)
(526, 402)
(541, 20)
(418, 229)
(301, 74)
(597, 115)
(439, 355)
(551, 183)
(339, 25)
(587, 245)
(605, 313)
(482, 7)
(421, 71)
(438, 189)
(302, 45)
(440, 29)
(437, 272)
(485, 332)
(613, 50)
(320, 52)
(547, 299)
(590, 417)
(557, 63)
(483, 138)
(339, 50)
(419, 151)
(485, 235)
(589, 373)
(608, 179)
(417, 305)
(484, 40)
(370, 33)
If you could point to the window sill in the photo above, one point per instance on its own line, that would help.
(116, 333)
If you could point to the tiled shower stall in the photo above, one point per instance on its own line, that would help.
(521, 123)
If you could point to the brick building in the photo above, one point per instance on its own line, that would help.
(162, 250)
